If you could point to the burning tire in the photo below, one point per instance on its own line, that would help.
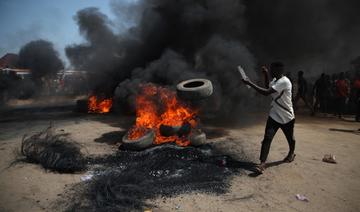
(140, 143)
(183, 130)
(194, 89)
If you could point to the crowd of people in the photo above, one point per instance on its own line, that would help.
(337, 94)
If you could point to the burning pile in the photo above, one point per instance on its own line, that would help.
(99, 105)
(159, 109)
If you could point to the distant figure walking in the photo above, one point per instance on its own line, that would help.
(342, 93)
(302, 91)
(320, 93)
(356, 86)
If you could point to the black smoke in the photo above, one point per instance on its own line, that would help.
(176, 40)
(41, 58)
(317, 36)
(172, 41)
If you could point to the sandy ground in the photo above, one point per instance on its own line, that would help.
(329, 187)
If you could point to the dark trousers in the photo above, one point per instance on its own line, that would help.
(358, 111)
(322, 101)
(340, 105)
(271, 128)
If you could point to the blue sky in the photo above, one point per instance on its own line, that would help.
(22, 21)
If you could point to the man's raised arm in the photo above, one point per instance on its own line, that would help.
(263, 91)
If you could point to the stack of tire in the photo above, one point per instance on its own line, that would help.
(189, 90)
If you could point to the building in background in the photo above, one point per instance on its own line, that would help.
(9, 66)
(9, 60)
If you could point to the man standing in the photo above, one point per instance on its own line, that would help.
(281, 111)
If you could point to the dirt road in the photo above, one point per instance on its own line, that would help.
(329, 187)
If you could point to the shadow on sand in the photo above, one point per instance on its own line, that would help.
(252, 167)
(356, 132)
(111, 138)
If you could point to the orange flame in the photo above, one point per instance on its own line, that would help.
(156, 106)
(99, 106)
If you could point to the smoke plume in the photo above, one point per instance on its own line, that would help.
(317, 36)
(177, 40)
(41, 58)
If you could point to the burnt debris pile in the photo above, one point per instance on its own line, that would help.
(53, 151)
(127, 179)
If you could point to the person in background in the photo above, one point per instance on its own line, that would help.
(328, 93)
(302, 91)
(332, 97)
(320, 93)
(281, 113)
(356, 87)
(342, 93)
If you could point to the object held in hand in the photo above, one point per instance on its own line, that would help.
(243, 75)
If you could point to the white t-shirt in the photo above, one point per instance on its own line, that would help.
(281, 106)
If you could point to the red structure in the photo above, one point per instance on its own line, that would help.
(9, 60)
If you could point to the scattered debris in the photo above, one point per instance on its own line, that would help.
(56, 152)
(301, 197)
(87, 177)
(329, 158)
